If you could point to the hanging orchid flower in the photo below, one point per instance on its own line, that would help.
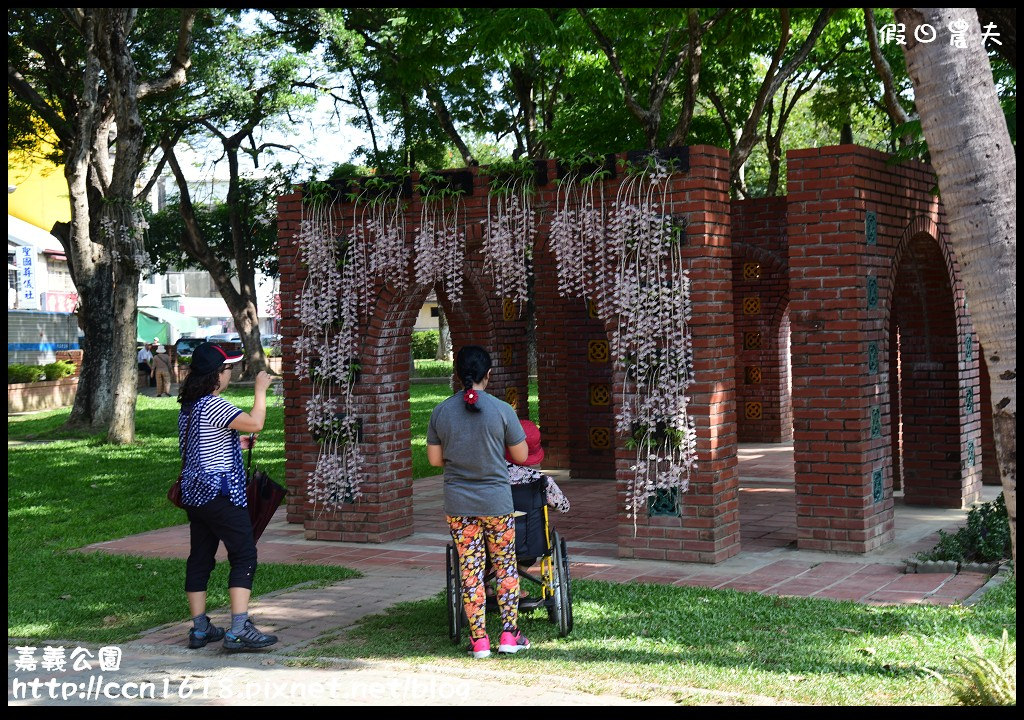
(440, 240)
(509, 229)
(633, 268)
(578, 233)
(336, 289)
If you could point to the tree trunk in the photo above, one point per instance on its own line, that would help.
(243, 304)
(444, 339)
(125, 369)
(897, 115)
(444, 117)
(774, 167)
(977, 173)
(774, 78)
(120, 221)
(104, 241)
(241, 301)
(91, 267)
(247, 324)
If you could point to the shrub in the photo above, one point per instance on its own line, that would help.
(59, 369)
(424, 344)
(983, 682)
(985, 537)
(18, 373)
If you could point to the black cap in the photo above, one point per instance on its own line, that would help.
(208, 357)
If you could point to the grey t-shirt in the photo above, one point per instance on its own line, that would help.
(473, 447)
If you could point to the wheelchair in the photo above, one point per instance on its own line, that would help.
(534, 539)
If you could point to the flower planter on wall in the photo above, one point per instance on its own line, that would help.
(45, 395)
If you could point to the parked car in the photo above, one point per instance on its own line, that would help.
(184, 346)
(271, 340)
(224, 338)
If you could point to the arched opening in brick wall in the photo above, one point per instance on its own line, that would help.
(578, 391)
(895, 405)
(930, 401)
(882, 342)
(764, 385)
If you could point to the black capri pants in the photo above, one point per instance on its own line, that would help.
(215, 522)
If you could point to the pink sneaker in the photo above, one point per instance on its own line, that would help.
(480, 648)
(513, 642)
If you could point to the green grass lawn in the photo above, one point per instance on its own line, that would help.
(643, 640)
(656, 640)
(72, 492)
(431, 369)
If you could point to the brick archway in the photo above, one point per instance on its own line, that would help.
(851, 218)
(578, 415)
(833, 260)
(934, 404)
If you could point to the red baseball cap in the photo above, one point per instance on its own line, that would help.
(536, 455)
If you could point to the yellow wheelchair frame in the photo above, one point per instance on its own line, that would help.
(555, 582)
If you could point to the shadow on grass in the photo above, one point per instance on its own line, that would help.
(72, 492)
(846, 652)
(97, 597)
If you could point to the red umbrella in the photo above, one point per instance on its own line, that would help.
(263, 496)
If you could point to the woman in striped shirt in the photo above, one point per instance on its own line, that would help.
(213, 491)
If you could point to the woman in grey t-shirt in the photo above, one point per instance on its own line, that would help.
(468, 436)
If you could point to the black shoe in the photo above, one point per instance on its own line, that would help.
(249, 639)
(198, 639)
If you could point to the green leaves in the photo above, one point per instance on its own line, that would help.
(985, 537)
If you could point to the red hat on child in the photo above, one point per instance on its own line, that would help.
(536, 455)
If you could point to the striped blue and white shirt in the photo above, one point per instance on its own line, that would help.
(213, 460)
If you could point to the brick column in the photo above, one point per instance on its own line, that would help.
(708, 530)
(990, 469)
(850, 216)
(840, 454)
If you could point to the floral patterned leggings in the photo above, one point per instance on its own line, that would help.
(470, 535)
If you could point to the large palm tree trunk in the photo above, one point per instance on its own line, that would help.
(977, 171)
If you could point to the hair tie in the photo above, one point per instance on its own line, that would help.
(470, 396)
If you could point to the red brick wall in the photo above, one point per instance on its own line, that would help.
(708, 530)
(574, 368)
(761, 297)
(923, 309)
(843, 289)
(573, 401)
(989, 470)
(384, 513)
(846, 294)
(71, 356)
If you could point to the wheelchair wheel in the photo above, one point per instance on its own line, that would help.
(453, 595)
(567, 584)
(560, 609)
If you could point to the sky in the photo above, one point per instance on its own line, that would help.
(321, 139)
